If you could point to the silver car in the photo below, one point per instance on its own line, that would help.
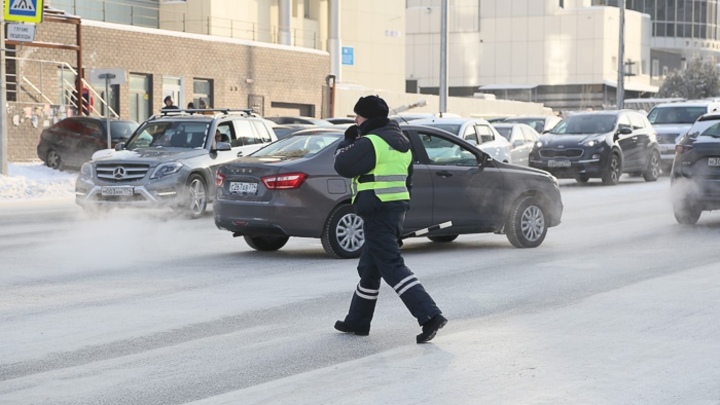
(170, 160)
(477, 131)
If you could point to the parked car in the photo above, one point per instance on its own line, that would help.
(477, 131)
(695, 176)
(300, 120)
(281, 131)
(541, 123)
(522, 138)
(72, 141)
(601, 144)
(170, 161)
(290, 189)
(672, 120)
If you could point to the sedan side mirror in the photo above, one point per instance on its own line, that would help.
(120, 146)
(625, 131)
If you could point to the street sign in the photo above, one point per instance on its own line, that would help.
(99, 77)
(30, 11)
(348, 55)
(21, 32)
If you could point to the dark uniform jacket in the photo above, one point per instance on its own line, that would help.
(356, 157)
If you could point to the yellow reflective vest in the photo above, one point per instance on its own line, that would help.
(388, 178)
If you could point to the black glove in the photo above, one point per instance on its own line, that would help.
(351, 134)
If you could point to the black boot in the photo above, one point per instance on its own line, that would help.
(430, 328)
(344, 327)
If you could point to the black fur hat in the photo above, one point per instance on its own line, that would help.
(371, 107)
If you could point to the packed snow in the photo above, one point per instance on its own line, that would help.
(34, 181)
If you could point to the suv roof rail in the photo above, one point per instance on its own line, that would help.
(204, 111)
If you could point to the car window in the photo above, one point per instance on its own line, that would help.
(227, 132)
(676, 114)
(452, 128)
(581, 124)
(298, 146)
(485, 133)
(623, 122)
(504, 131)
(470, 135)
(93, 129)
(170, 134)
(529, 135)
(71, 125)
(442, 151)
(712, 131)
(122, 129)
(636, 121)
(262, 131)
(245, 134)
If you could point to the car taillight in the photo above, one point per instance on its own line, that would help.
(680, 149)
(284, 181)
(219, 179)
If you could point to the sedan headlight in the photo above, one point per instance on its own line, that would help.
(538, 144)
(86, 170)
(593, 142)
(166, 169)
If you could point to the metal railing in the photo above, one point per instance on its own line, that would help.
(31, 83)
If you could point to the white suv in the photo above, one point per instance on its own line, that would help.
(672, 120)
(477, 131)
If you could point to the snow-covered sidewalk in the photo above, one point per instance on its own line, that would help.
(35, 181)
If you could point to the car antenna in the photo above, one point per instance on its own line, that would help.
(398, 114)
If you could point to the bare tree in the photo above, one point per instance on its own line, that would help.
(699, 80)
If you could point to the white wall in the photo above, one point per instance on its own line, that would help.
(523, 42)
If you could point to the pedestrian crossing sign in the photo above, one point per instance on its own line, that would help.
(30, 11)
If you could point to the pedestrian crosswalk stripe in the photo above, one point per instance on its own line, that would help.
(22, 5)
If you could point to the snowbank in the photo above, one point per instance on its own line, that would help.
(33, 181)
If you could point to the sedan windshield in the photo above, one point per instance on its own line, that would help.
(537, 123)
(298, 146)
(452, 128)
(675, 114)
(504, 131)
(170, 134)
(584, 124)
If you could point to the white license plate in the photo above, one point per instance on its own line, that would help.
(714, 162)
(240, 187)
(117, 191)
(558, 163)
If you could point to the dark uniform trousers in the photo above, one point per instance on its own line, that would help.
(381, 258)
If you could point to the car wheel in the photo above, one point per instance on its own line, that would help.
(582, 178)
(525, 226)
(686, 213)
(52, 160)
(443, 239)
(266, 243)
(343, 236)
(653, 171)
(195, 196)
(612, 171)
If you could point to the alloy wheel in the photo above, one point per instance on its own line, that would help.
(532, 223)
(349, 231)
(197, 197)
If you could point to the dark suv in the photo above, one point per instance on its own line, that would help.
(170, 161)
(695, 175)
(72, 141)
(602, 144)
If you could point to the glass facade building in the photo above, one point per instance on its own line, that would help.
(144, 13)
(696, 19)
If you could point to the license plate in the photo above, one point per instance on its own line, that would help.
(240, 187)
(558, 163)
(714, 161)
(117, 191)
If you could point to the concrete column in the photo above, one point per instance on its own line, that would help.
(284, 36)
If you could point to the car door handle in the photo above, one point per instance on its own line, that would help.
(444, 174)
(239, 154)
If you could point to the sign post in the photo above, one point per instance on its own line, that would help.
(107, 77)
(3, 103)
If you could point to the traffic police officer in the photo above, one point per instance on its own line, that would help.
(376, 155)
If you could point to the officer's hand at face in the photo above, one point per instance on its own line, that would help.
(351, 133)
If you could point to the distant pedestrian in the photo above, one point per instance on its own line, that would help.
(168, 101)
(376, 155)
(203, 104)
(191, 106)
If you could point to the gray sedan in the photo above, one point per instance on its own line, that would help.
(290, 188)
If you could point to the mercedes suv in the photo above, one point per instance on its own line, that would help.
(170, 160)
(601, 144)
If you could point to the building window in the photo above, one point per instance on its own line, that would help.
(140, 97)
(655, 68)
(203, 93)
(665, 71)
(172, 86)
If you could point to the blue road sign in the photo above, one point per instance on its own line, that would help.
(23, 10)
